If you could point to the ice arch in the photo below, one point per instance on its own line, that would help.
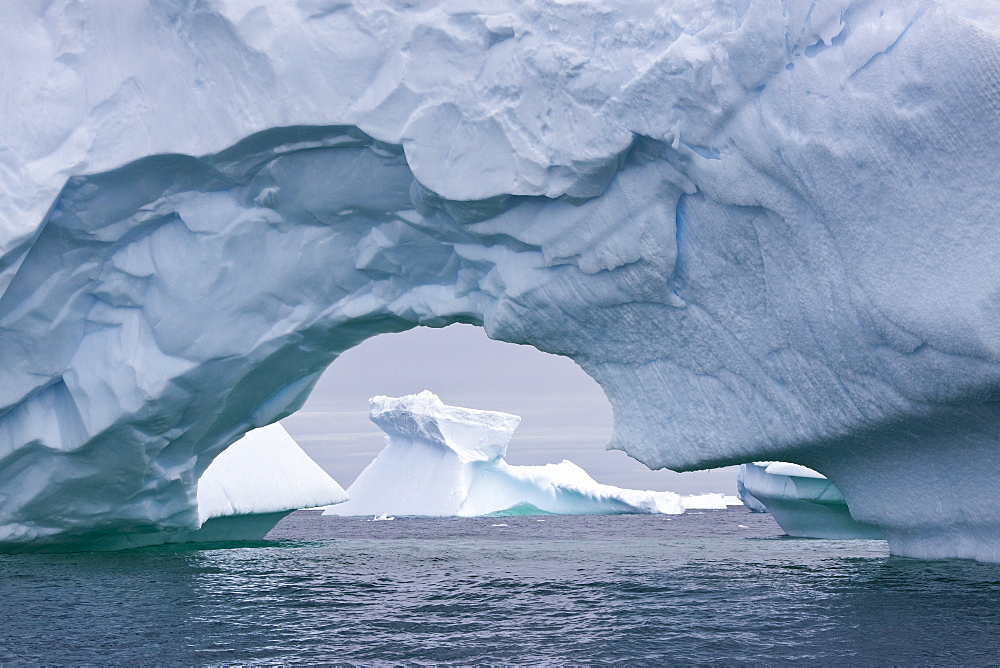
(197, 298)
(768, 232)
(183, 301)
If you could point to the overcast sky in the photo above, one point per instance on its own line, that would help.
(564, 413)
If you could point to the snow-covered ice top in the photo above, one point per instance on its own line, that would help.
(768, 230)
(792, 470)
(446, 461)
(473, 435)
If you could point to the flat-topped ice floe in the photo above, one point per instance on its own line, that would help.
(803, 502)
(446, 461)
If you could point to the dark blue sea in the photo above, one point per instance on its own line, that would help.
(719, 587)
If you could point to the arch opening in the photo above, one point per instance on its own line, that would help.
(565, 414)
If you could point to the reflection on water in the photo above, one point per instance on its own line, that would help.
(634, 589)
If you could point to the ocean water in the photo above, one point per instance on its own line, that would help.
(712, 587)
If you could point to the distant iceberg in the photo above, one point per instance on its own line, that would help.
(255, 482)
(446, 461)
(802, 501)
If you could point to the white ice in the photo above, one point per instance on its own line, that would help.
(446, 461)
(768, 230)
(264, 472)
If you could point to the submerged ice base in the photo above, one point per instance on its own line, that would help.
(443, 461)
(768, 230)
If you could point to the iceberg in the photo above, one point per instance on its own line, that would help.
(255, 482)
(247, 489)
(802, 501)
(710, 501)
(445, 461)
(767, 231)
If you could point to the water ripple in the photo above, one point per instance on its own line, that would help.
(628, 589)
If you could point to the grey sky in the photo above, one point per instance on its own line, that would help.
(565, 415)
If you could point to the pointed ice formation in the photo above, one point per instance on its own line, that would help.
(255, 482)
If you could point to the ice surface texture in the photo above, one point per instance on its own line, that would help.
(768, 231)
(802, 501)
(752, 503)
(442, 461)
